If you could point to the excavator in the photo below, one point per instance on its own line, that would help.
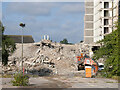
(88, 64)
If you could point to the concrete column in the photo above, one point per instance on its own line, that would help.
(48, 37)
(44, 37)
(90, 52)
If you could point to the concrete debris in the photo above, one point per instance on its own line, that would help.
(58, 58)
(46, 57)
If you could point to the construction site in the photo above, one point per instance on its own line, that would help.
(56, 66)
(51, 64)
(46, 58)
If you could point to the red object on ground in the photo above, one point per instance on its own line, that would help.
(23, 70)
(79, 58)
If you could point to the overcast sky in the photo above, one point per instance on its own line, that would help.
(58, 20)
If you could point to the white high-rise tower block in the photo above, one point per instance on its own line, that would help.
(100, 18)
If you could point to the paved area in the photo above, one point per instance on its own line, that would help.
(65, 82)
(78, 82)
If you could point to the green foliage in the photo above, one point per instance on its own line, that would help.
(64, 41)
(1, 28)
(110, 52)
(20, 80)
(8, 46)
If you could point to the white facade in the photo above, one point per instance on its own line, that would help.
(105, 15)
(89, 22)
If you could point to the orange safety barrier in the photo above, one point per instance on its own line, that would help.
(88, 72)
(91, 67)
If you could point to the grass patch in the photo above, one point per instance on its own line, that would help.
(20, 80)
(33, 76)
(110, 82)
(116, 77)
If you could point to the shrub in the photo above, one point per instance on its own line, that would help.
(20, 80)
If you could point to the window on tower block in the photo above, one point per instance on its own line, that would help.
(106, 4)
(106, 21)
(106, 30)
(106, 13)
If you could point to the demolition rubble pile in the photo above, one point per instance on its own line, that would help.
(45, 57)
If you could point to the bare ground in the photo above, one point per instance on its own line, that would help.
(65, 82)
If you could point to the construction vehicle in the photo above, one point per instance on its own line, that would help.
(80, 62)
(89, 65)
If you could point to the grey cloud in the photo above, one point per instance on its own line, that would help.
(29, 19)
(12, 28)
(41, 8)
(70, 30)
(30, 8)
(38, 29)
(57, 31)
(73, 8)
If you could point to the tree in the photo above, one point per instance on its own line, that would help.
(64, 41)
(110, 52)
(8, 46)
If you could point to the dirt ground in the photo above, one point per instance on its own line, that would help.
(65, 82)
